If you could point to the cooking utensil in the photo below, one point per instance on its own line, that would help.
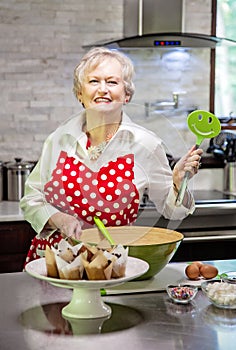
(103, 230)
(204, 125)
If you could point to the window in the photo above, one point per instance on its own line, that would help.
(225, 64)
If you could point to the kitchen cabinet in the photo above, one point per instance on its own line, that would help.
(219, 249)
(15, 241)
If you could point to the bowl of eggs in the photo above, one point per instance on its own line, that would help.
(220, 293)
(154, 245)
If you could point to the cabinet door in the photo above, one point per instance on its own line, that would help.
(15, 242)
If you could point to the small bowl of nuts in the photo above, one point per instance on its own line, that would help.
(181, 294)
(220, 293)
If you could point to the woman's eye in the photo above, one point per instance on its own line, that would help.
(112, 82)
(108, 82)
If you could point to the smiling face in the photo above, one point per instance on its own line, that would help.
(103, 86)
(203, 124)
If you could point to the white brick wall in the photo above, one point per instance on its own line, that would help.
(40, 44)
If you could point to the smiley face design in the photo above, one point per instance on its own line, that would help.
(203, 124)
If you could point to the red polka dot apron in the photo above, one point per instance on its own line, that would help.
(109, 193)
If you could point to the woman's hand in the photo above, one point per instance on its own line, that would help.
(190, 162)
(67, 224)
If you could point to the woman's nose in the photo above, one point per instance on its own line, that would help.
(103, 86)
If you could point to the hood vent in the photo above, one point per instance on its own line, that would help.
(157, 23)
(163, 40)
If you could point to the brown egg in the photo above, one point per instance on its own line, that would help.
(208, 271)
(192, 271)
(198, 263)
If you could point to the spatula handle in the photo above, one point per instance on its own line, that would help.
(180, 195)
(103, 230)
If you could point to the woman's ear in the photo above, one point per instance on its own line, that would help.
(79, 97)
(127, 98)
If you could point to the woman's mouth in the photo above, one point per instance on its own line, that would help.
(102, 100)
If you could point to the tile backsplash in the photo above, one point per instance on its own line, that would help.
(41, 43)
(161, 72)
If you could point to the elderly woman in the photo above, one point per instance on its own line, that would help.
(100, 162)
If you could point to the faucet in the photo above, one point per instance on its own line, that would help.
(162, 105)
(175, 99)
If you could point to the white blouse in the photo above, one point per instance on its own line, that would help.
(151, 168)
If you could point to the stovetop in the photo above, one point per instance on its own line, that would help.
(213, 196)
(201, 197)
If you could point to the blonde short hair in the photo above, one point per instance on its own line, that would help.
(91, 60)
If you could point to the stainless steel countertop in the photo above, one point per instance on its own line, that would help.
(30, 318)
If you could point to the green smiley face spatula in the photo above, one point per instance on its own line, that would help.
(204, 125)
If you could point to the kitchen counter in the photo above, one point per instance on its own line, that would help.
(10, 211)
(31, 318)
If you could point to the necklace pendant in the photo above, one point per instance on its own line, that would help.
(95, 151)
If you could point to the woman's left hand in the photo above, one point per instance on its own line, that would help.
(67, 224)
(190, 162)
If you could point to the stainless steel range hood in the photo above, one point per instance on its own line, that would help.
(157, 23)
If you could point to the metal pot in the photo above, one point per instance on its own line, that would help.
(17, 173)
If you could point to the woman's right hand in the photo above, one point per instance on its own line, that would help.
(189, 162)
(68, 225)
